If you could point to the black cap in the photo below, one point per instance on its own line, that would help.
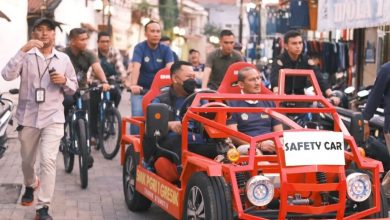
(50, 23)
(192, 51)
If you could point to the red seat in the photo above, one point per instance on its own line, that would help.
(164, 167)
(229, 82)
(161, 79)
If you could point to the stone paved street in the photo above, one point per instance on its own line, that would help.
(103, 199)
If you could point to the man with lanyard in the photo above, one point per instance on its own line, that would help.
(46, 74)
(112, 63)
(82, 59)
(219, 60)
(252, 124)
(293, 58)
(149, 57)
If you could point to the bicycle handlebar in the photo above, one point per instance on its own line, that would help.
(141, 91)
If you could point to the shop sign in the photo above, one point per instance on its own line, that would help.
(348, 14)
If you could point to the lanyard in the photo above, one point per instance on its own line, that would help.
(39, 71)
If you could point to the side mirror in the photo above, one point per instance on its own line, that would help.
(349, 90)
(363, 93)
(157, 117)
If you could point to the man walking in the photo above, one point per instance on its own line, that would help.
(46, 74)
(219, 60)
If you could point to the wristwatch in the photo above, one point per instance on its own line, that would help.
(103, 82)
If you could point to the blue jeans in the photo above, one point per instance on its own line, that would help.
(136, 110)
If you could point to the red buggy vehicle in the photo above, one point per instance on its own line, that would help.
(314, 173)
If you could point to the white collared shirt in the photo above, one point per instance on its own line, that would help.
(29, 112)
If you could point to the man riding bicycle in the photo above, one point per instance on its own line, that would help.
(82, 59)
(112, 63)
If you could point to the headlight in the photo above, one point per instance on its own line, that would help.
(358, 186)
(259, 190)
(233, 155)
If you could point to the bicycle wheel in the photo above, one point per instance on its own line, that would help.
(83, 152)
(66, 143)
(110, 135)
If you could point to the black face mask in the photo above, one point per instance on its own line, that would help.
(189, 86)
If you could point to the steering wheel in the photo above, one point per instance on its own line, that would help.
(213, 115)
(187, 101)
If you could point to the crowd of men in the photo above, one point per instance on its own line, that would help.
(46, 95)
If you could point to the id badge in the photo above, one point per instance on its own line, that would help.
(40, 95)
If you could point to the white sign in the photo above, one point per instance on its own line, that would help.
(343, 14)
(313, 148)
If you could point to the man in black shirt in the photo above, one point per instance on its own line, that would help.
(293, 58)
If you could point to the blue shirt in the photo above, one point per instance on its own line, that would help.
(252, 124)
(151, 61)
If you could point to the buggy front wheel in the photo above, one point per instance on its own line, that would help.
(207, 198)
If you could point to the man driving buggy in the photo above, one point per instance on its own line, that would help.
(252, 124)
(183, 85)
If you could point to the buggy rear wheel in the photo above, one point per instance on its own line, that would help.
(135, 201)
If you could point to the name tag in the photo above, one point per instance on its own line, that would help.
(40, 95)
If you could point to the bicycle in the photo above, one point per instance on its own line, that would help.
(109, 126)
(76, 138)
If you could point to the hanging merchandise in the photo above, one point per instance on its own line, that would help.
(254, 21)
(268, 45)
(299, 14)
(251, 51)
(283, 21)
(271, 20)
(335, 56)
(313, 14)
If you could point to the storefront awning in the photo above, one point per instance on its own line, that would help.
(348, 14)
